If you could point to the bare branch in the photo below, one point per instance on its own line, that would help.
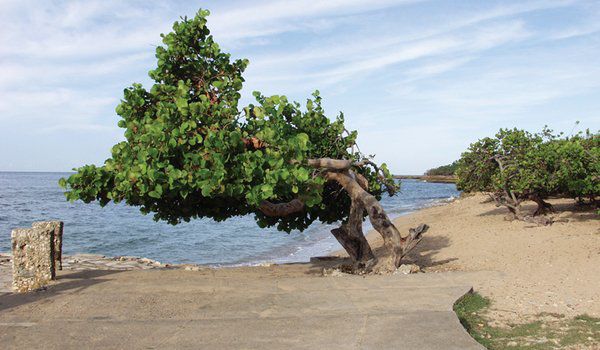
(362, 181)
(331, 164)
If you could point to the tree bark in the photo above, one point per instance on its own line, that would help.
(351, 237)
(398, 245)
(281, 209)
(543, 207)
(331, 164)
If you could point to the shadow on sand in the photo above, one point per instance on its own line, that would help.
(571, 210)
(424, 254)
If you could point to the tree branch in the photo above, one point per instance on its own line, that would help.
(331, 164)
(281, 209)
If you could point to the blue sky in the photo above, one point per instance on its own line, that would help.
(419, 80)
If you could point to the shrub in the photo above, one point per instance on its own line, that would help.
(516, 165)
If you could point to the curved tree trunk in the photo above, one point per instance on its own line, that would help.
(351, 237)
(350, 234)
(542, 206)
(398, 245)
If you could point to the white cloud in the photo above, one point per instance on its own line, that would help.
(397, 68)
(274, 17)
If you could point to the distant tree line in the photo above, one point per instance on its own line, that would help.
(444, 170)
(515, 166)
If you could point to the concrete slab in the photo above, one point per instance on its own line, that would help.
(164, 309)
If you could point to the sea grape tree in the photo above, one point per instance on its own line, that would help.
(516, 166)
(191, 152)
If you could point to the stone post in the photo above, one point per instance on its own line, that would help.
(57, 226)
(33, 258)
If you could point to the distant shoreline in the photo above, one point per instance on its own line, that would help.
(428, 178)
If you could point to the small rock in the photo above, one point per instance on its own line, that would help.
(511, 343)
(407, 269)
(332, 272)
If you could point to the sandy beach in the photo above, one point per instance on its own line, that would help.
(553, 269)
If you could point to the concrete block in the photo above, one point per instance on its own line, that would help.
(57, 226)
(33, 258)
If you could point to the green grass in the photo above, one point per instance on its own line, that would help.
(550, 331)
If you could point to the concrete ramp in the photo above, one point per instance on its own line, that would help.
(176, 309)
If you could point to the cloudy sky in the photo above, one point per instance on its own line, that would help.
(419, 80)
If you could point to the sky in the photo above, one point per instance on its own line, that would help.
(419, 80)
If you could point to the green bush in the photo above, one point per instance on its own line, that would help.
(516, 165)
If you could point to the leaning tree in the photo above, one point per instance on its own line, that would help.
(191, 152)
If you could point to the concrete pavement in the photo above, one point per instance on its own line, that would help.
(217, 309)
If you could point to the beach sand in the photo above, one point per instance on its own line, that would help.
(543, 269)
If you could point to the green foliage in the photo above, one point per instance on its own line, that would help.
(191, 153)
(516, 163)
(444, 170)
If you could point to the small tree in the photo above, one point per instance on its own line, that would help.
(516, 166)
(191, 153)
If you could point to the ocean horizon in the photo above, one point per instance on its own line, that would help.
(121, 230)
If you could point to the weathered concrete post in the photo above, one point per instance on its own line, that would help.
(33, 258)
(57, 226)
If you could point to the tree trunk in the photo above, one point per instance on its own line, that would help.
(398, 245)
(351, 237)
(542, 206)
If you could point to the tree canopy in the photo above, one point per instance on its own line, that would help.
(191, 152)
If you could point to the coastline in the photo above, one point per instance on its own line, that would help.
(428, 178)
(532, 269)
(86, 261)
(117, 230)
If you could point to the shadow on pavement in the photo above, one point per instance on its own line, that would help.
(65, 283)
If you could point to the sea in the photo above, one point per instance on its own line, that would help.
(121, 230)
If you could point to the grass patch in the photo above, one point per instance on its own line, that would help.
(549, 331)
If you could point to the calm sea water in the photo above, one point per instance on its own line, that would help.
(118, 229)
